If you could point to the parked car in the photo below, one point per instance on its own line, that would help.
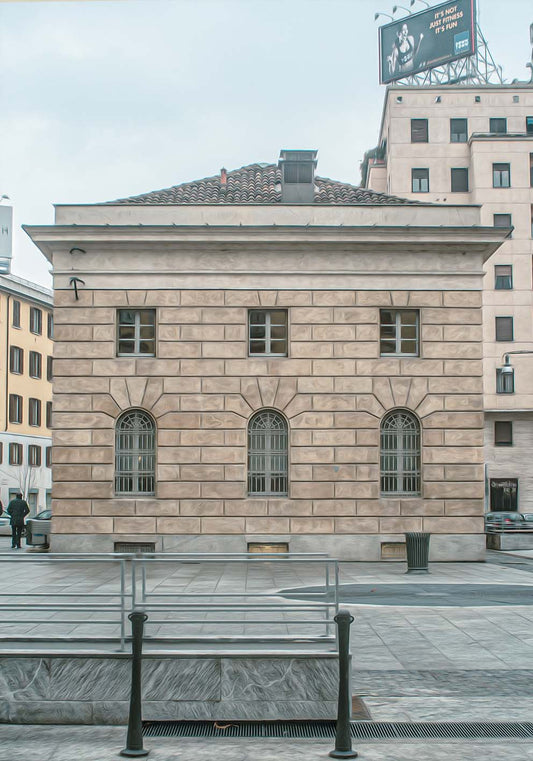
(5, 525)
(528, 517)
(506, 521)
(44, 515)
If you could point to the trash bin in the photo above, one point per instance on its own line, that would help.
(417, 546)
(38, 532)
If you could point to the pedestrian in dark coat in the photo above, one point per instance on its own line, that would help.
(17, 510)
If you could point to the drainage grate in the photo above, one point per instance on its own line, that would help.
(325, 730)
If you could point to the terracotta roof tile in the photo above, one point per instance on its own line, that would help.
(258, 184)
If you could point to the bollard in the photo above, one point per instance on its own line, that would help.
(343, 738)
(134, 741)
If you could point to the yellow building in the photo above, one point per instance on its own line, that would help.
(26, 332)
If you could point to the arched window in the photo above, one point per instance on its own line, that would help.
(400, 453)
(135, 453)
(267, 454)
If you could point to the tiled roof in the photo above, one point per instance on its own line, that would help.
(256, 184)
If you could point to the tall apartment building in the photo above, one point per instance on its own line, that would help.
(268, 357)
(474, 145)
(26, 332)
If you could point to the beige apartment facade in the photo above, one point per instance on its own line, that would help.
(238, 369)
(466, 144)
(26, 344)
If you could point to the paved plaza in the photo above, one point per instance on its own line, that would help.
(466, 659)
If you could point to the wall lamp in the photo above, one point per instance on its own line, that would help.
(507, 368)
(380, 13)
(395, 8)
(420, 1)
(76, 250)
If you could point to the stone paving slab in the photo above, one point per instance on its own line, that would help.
(60, 743)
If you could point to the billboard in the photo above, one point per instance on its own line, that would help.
(427, 39)
(6, 228)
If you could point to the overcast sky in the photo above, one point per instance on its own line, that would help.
(101, 100)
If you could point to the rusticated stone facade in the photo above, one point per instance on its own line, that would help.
(333, 270)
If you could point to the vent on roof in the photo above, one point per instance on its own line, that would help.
(297, 176)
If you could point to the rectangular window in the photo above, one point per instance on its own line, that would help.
(502, 220)
(48, 414)
(504, 329)
(499, 126)
(399, 332)
(16, 360)
(50, 320)
(34, 412)
(15, 408)
(419, 131)
(48, 455)
(503, 277)
(529, 125)
(531, 170)
(503, 433)
(36, 321)
(49, 368)
(420, 180)
(459, 180)
(503, 494)
(16, 314)
(34, 455)
(501, 175)
(136, 332)
(1, 453)
(267, 332)
(15, 454)
(504, 381)
(35, 364)
(458, 130)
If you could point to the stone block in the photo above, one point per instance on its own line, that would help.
(333, 298)
(65, 297)
(467, 367)
(463, 333)
(222, 525)
(180, 525)
(464, 507)
(202, 298)
(378, 507)
(235, 472)
(293, 298)
(235, 332)
(180, 385)
(443, 455)
(354, 420)
(241, 299)
(221, 316)
(462, 298)
(330, 438)
(118, 367)
(313, 420)
(356, 490)
(201, 507)
(454, 490)
(333, 472)
(454, 420)
(82, 525)
(179, 349)
(335, 402)
(168, 473)
(178, 490)
(433, 333)
(422, 507)
(135, 525)
(424, 367)
(84, 350)
(472, 437)
(72, 507)
(384, 366)
(157, 507)
(213, 490)
(312, 454)
(202, 472)
(357, 349)
(444, 316)
(462, 385)
(312, 490)
(179, 315)
(223, 455)
(452, 350)
(290, 507)
(104, 437)
(454, 525)
(82, 386)
(267, 525)
(173, 455)
(74, 332)
(113, 507)
(310, 349)
(245, 367)
(356, 525)
(373, 298)
(221, 420)
(245, 507)
(355, 315)
(356, 454)
(180, 420)
(311, 315)
(224, 349)
(86, 489)
(278, 679)
(400, 298)
(463, 402)
(201, 367)
(236, 438)
(368, 437)
(201, 438)
(84, 316)
(72, 367)
(332, 333)
(464, 472)
(400, 525)
(333, 367)
(220, 386)
(202, 402)
(285, 366)
(368, 333)
(425, 299)
(312, 525)
(72, 472)
(334, 507)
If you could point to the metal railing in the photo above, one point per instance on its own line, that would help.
(227, 598)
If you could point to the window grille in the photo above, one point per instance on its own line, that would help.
(267, 454)
(136, 332)
(135, 454)
(400, 454)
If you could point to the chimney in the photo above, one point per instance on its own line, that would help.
(223, 176)
(297, 176)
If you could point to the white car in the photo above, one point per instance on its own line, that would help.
(5, 525)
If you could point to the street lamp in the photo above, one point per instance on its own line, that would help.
(395, 8)
(507, 368)
(380, 13)
(420, 1)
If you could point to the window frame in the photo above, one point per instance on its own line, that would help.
(49, 368)
(400, 461)
(460, 134)
(16, 409)
(34, 455)
(499, 217)
(419, 180)
(34, 412)
(462, 172)
(18, 458)
(501, 427)
(261, 455)
(502, 482)
(529, 125)
(36, 321)
(419, 131)
(50, 325)
(499, 171)
(35, 365)
(16, 352)
(48, 413)
(15, 315)
(137, 340)
(397, 338)
(494, 121)
(48, 457)
(268, 339)
(503, 323)
(500, 278)
(142, 443)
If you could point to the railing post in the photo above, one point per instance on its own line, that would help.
(134, 741)
(343, 738)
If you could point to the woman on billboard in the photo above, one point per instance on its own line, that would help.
(403, 51)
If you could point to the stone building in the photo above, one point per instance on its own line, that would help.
(474, 144)
(266, 356)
